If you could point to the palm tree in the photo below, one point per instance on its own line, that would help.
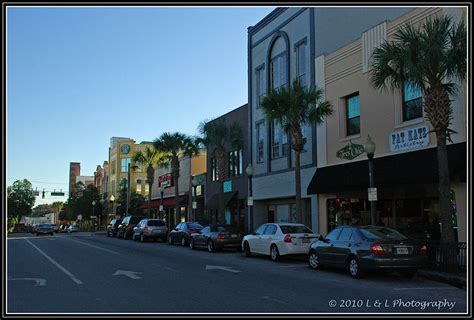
(148, 159)
(216, 133)
(173, 146)
(430, 57)
(293, 107)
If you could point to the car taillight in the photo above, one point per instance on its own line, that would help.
(287, 238)
(423, 249)
(145, 229)
(377, 249)
(220, 236)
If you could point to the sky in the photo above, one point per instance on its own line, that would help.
(77, 76)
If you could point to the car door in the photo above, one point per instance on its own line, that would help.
(342, 246)
(202, 236)
(175, 233)
(267, 237)
(253, 239)
(326, 248)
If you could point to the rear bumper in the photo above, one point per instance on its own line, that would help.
(228, 243)
(290, 248)
(393, 263)
(44, 231)
(154, 235)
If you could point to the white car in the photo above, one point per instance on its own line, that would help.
(278, 239)
(73, 228)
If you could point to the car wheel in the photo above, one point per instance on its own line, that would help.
(409, 274)
(274, 254)
(170, 241)
(354, 267)
(314, 261)
(142, 238)
(210, 246)
(191, 244)
(248, 253)
(183, 241)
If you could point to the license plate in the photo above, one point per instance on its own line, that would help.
(402, 250)
(305, 240)
(157, 231)
(233, 236)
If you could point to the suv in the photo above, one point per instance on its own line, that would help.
(150, 229)
(125, 229)
(112, 227)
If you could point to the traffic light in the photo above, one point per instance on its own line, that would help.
(43, 194)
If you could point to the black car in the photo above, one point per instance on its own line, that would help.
(182, 232)
(359, 249)
(112, 227)
(125, 229)
(216, 237)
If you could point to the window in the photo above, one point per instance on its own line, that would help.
(139, 186)
(279, 140)
(147, 187)
(260, 229)
(412, 107)
(260, 85)
(353, 114)
(114, 164)
(333, 234)
(270, 230)
(260, 137)
(301, 63)
(295, 229)
(278, 71)
(346, 234)
(214, 172)
(206, 230)
(125, 163)
(235, 163)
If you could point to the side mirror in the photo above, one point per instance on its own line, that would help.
(321, 238)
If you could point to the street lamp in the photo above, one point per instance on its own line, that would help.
(112, 199)
(249, 172)
(369, 148)
(195, 183)
(93, 212)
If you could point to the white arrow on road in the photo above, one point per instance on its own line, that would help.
(39, 282)
(130, 274)
(208, 267)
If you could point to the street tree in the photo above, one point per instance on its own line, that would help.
(173, 146)
(20, 199)
(42, 209)
(431, 57)
(219, 135)
(136, 201)
(293, 107)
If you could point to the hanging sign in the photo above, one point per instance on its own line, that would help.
(165, 180)
(372, 194)
(412, 138)
(350, 151)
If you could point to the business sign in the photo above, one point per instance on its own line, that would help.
(372, 194)
(165, 180)
(79, 217)
(228, 186)
(412, 138)
(250, 201)
(350, 151)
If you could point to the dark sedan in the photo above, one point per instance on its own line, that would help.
(125, 229)
(182, 232)
(113, 227)
(44, 228)
(216, 237)
(360, 249)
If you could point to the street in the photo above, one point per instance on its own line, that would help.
(91, 273)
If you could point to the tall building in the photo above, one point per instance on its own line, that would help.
(74, 171)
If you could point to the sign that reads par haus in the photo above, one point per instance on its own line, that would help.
(165, 180)
(350, 151)
(412, 138)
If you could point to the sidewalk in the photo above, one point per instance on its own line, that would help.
(454, 279)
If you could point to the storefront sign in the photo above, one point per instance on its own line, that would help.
(79, 217)
(165, 180)
(250, 201)
(350, 151)
(412, 138)
(228, 186)
(372, 194)
(195, 205)
(201, 179)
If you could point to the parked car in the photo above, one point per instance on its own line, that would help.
(359, 249)
(125, 229)
(73, 228)
(55, 228)
(44, 228)
(113, 227)
(150, 229)
(216, 237)
(279, 239)
(63, 228)
(182, 232)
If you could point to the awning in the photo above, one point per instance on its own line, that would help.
(213, 203)
(167, 202)
(418, 167)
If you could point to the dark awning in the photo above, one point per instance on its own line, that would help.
(167, 202)
(213, 203)
(418, 167)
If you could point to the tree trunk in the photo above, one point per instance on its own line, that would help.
(221, 162)
(149, 199)
(299, 215)
(447, 233)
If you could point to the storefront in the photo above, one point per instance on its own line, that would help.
(407, 193)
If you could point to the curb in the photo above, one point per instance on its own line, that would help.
(451, 279)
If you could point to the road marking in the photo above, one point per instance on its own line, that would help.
(69, 274)
(427, 288)
(39, 282)
(208, 267)
(130, 274)
(90, 245)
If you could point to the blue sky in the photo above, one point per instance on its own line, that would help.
(77, 76)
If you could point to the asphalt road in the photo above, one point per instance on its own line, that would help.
(91, 273)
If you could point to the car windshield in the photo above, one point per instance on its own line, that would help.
(295, 229)
(156, 223)
(194, 226)
(224, 228)
(44, 225)
(381, 233)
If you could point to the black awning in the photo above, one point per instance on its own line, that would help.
(213, 203)
(419, 167)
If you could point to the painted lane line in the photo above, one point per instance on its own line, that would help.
(39, 282)
(90, 245)
(229, 269)
(130, 274)
(69, 274)
(427, 288)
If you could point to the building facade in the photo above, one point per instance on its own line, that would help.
(405, 163)
(230, 193)
(282, 47)
(74, 171)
